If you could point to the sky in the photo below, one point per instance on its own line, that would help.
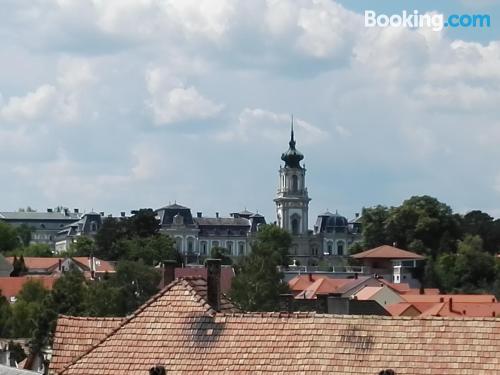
(113, 105)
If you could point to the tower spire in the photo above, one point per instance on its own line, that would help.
(291, 135)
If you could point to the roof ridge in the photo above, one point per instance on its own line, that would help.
(72, 317)
(145, 305)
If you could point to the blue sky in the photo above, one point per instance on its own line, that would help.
(115, 105)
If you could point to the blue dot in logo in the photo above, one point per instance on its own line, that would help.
(446, 24)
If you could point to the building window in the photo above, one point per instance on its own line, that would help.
(295, 183)
(329, 247)
(203, 248)
(93, 227)
(314, 251)
(241, 248)
(295, 224)
(340, 248)
(178, 243)
(190, 245)
(229, 246)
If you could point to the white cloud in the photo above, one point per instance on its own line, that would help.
(31, 107)
(171, 101)
(259, 124)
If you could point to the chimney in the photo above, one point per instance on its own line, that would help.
(217, 215)
(441, 299)
(122, 214)
(157, 370)
(450, 301)
(168, 271)
(311, 279)
(356, 215)
(198, 214)
(213, 283)
(76, 211)
(355, 275)
(49, 210)
(101, 213)
(60, 264)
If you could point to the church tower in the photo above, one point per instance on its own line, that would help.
(292, 200)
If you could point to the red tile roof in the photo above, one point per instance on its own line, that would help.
(463, 309)
(226, 275)
(320, 285)
(387, 252)
(75, 335)
(101, 266)
(178, 330)
(398, 309)
(45, 263)
(435, 298)
(368, 292)
(11, 286)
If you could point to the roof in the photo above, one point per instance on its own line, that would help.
(174, 331)
(397, 309)
(226, 276)
(38, 262)
(75, 335)
(174, 206)
(7, 370)
(100, 265)
(11, 286)
(368, 292)
(387, 252)
(45, 216)
(222, 221)
(463, 309)
(435, 298)
(322, 286)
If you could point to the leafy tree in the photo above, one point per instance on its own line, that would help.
(258, 283)
(137, 283)
(107, 238)
(24, 232)
(8, 237)
(18, 267)
(221, 253)
(34, 250)
(373, 222)
(16, 351)
(471, 270)
(481, 224)
(82, 247)
(151, 250)
(5, 316)
(104, 299)
(276, 241)
(143, 223)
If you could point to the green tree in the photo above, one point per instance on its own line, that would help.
(82, 247)
(373, 222)
(107, 238)
(143, 223)
(137, 283)
(8, 237)
(276, 242)
(24, 232)
(221, 253)
(151, 250)
(5, 316)
(104, 299)
(258, 283)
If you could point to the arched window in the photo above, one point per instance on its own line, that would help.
(295, 225)
(190, 245)
(329, 247)
(178, 243)
(203, 247)
(295, 183)
(241, 248)
(229, 246)
(93, 227)
(340, 248)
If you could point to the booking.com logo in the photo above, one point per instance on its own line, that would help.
(435, 21)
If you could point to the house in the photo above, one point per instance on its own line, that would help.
(92, 267)
(390, 262)
(44, 225)
(88, 226)
(11, 286)
(184, 330)
(382, 294)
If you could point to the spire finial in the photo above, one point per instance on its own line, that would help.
(291, 138)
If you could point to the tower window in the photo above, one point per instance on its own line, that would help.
(295, 225)
(295, 183)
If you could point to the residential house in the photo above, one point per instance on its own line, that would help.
(184, 330)
(11, 286)
(382, 294)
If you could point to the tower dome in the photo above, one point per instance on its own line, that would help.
(292, 156)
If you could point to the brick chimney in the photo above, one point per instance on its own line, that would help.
(168, 271)
(213, 283)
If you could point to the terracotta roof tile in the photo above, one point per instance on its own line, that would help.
(397, 309)
(320, 285)
(38, 262)
(75, 335)
(11, 286)
(435, 298)
(387, 252)
(226, 276)
(176, 329)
